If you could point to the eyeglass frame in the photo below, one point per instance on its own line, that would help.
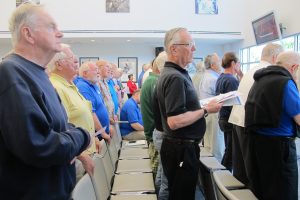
(189, 44)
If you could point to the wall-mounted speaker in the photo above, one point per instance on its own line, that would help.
(158, 50)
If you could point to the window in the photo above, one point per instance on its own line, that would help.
(250, 56)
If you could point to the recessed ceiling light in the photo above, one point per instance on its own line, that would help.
(93, 40)
(128, 40)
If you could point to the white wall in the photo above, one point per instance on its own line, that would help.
(234, 16)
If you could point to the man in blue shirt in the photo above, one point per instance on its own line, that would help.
(134, 129)
(272, 115)
(87, 86)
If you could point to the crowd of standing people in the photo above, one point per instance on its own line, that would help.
(54, 113)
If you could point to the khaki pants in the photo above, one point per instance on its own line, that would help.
(135, 135)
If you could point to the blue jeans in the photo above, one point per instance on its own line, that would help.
(161, 181)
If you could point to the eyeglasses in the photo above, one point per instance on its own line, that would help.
(189, 44)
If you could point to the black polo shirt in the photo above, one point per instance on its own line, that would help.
(176, 95)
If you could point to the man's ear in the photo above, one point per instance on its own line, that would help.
(27, 33)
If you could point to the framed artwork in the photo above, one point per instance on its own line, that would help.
(19, 2)
(117, 6)
(84, 59)
(129, 66)
(209, 7)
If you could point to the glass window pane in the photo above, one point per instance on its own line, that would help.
(255, 53)
(245, 56)
(245, 68)
(288, 43)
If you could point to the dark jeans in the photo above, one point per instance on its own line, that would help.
(239, 153)
(272, 167)
(227, 127)
(181, 166)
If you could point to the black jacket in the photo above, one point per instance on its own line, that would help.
(264, 104)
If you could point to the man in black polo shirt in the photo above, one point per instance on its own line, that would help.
(181, 116)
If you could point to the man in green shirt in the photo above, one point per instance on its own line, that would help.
(153, 136)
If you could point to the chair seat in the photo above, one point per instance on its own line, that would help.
(204, 152)
(243, 194)
(133, 153)
(211, 163)
(227, 179)
(141, 165)
(135, 144)
(134, 197)
(140, 182)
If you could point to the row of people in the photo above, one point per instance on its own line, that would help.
(267, 128)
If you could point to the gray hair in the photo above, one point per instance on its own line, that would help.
(270, 50)
(58, 56)
(200, 67)
(288, 58)
(25, 14)
(160, 60)
(85, 67)
(172, 37)
(209, 61)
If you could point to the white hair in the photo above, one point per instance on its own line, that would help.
(58, 56)
(25, 14)
(160, 60)
(172, 36)
(271, 50)
(85, 67)
(288, 58)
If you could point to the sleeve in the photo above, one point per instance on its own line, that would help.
(88, 95)
(156, 111)
(291, 100)
(132, 114)
(27, 132)
(174, 93)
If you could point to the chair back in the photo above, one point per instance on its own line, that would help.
(84, 189)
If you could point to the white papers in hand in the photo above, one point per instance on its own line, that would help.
(229, 99)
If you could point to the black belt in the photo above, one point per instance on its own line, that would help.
(181, 141)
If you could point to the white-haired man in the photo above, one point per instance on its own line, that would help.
(272, 115)
(213, 137)
(87, 85)
(182, 117)
(37, 143)
(237, 116)
(63, 69)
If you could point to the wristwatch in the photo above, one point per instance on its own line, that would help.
(205, 112)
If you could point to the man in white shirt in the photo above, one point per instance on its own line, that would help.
(213, 137)
(237, 116)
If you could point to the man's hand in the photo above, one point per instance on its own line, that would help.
(213, 106)
(106, 137)
(98, 145)
(87, 163)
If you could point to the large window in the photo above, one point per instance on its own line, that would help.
(250, 56)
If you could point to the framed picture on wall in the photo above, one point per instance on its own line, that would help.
(117, 6)
(209, 7)
(129, 66)
(84, 59)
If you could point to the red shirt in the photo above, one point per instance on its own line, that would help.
(132, 86)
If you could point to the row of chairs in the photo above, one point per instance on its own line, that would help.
(122, 171)
(218, 183)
